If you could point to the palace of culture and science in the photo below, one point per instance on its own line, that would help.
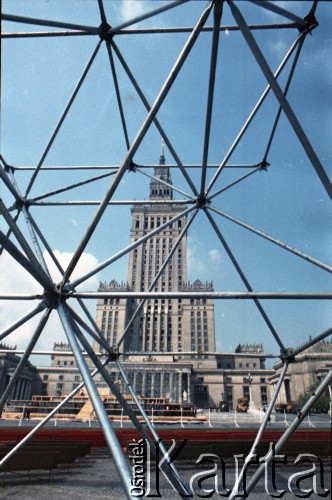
(165, 326)
(168, 344)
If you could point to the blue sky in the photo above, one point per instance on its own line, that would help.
(288, 201)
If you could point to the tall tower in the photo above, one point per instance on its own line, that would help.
(159, 326)
(163, 326)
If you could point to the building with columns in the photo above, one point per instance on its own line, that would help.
(159, 328)
(309, 368)
(27, 384)
(169, 344)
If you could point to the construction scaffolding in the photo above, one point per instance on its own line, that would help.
(139, 113)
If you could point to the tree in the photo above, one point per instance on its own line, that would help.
(322, 405)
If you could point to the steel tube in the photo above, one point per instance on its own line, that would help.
(146, 165)
(5, 179)
(32, 342)
(70, 186)
(205, 29)
(231, 184)
(178, 486)
(290, 430)
(206, 295)
(253, 113)
(143, 353)
(280, 11)
(310, 343)
(156, 278)
(137, 141)
(23, 319)
(62, 118)
(98, 338)
(44, 421)
(245, 281)
(149, 31)
(37, 272)
(94, 203)
(115, 257)
(22, 296)
(155, 121)
(294, 122)
(40, 261)
(42, 34)
(217, 13)
(102, 11)
(259, 434)
(44, 22)
(46, 244)
(270, 238)
(147, 15)
(118, 95)
(18, 235)
(109, 433)
(290, 77)
(161, 181)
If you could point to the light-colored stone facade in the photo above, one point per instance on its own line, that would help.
(163, 326)
(169, 346)
(308, 369)
(28, 382)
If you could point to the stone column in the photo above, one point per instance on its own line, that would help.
(143, 382)
(15, 390)
(21, 388)
(180, 387)
(189, 387)
(171, 386)
(18, 389)
(162, 391)
(152, 384)
(134, 380)
(28, 389)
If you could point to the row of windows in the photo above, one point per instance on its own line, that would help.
(111, 301)
(247, 365)
(65, 363)
(152, 221)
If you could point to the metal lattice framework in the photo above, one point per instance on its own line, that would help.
(199, 184)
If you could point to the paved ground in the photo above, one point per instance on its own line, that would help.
(97, 479)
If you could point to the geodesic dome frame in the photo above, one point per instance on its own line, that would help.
(198, 184)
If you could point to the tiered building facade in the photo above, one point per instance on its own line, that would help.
(169, 344)
(162, 326)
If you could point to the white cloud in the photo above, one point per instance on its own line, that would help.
(86, 263)
(279, 47)
(130, 9)
(199, 260)
(195, 265)
(15, 280)
(214, 255)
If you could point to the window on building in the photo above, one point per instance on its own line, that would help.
(246, 391)
(45, 377)
(264, 395)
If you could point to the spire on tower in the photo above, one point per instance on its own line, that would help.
(162, 153)
(159, 190)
